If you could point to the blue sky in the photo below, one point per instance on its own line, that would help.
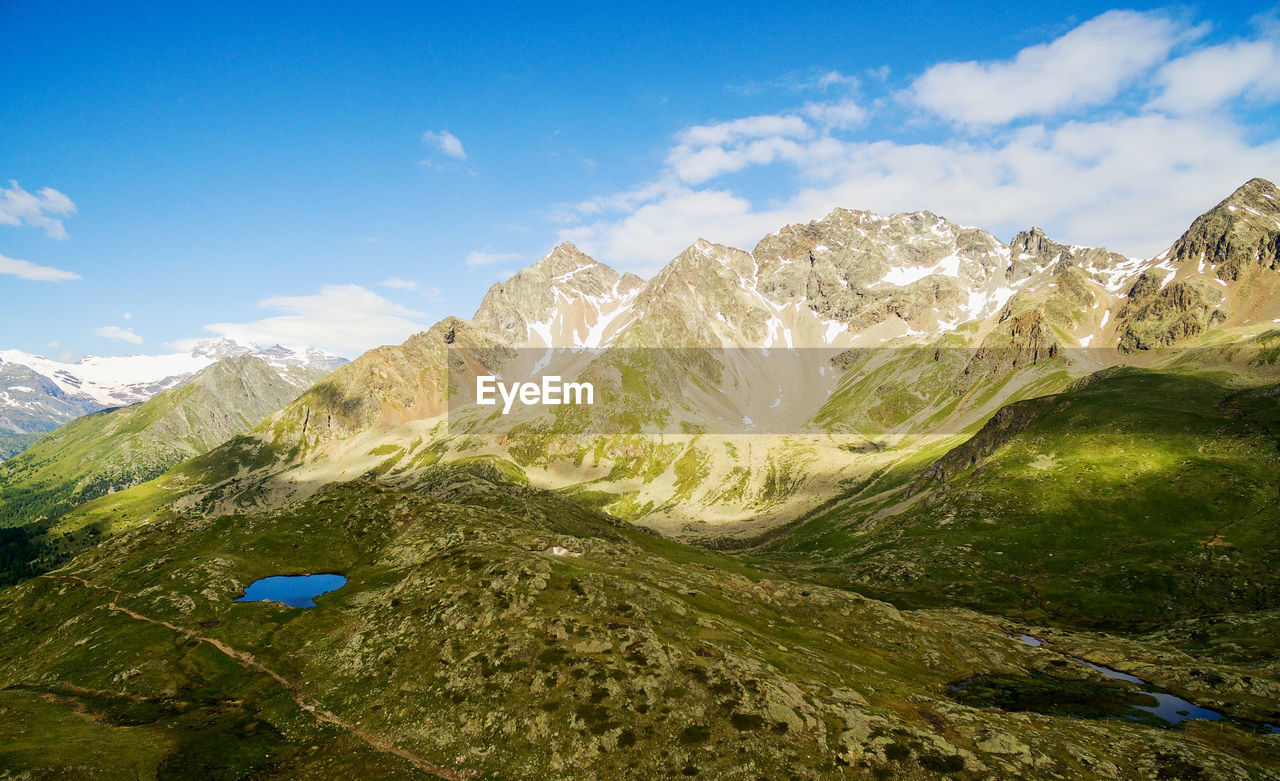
(343, 174)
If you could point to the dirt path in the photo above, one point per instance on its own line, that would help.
(246, 659)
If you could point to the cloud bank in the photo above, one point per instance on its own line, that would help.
(345, 319)
(1117, 133)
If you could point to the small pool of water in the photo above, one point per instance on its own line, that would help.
(1168, 707)
(292, 590)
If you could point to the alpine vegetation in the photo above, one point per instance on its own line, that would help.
(792, 511)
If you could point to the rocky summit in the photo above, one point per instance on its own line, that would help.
(881, 497)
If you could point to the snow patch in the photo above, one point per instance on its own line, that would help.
(834, 329)
(905, 275)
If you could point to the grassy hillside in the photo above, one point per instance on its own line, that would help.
(1139, 497)
(115, 449)
(463, 644)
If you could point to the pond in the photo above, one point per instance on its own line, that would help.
(292, 590)
(1166, 707)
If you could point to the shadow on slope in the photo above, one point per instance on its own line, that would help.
(1137, 497)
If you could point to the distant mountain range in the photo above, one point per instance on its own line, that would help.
(1017, 320)
(38, 394)
(116, 448)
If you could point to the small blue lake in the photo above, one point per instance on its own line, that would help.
(292, 590)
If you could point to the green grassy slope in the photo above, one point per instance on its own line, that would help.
(1140, 497)
(461, 643)
(118, 448)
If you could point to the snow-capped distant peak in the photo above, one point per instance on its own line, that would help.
(117, 380)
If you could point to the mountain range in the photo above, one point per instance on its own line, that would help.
(1008, 497)
(38, 394)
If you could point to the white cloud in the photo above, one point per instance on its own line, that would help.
(127, 315)
(1207, 78)
(399, 284)
(445, 142)
(811, 80)
(704, 152)
(1120, 174)
(1102, 183)
(118, 333)
(836, 79)
(433, 293)
(346, 319)
(747, 128)
(25, 269)
(479, 258)
(670, 219)
(18, 207)
(1086, 67)
(840, 114)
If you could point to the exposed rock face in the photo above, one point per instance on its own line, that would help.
(861, 269)
(1241, 232)
(1158, 316)
(564, 299)
(385, 386)
(854, 278)
(1032, 249)
(1036, 244)
(704, 297)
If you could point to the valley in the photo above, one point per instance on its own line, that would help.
(823, 489)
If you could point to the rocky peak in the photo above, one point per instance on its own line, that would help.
(1240, 233)
(1257, 192)
(1034, 242)
(704, 257)
(629, 283)
(706, 287)
(566, 298)
(565, 259)
(1033, 249)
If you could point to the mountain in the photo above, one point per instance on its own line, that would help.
(1160, 486)
(31, 404)
(114, 449)
(565, 299)
(38, 394)
(911, 442)
(860, 279)
(865, 301)
(1221, 271)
